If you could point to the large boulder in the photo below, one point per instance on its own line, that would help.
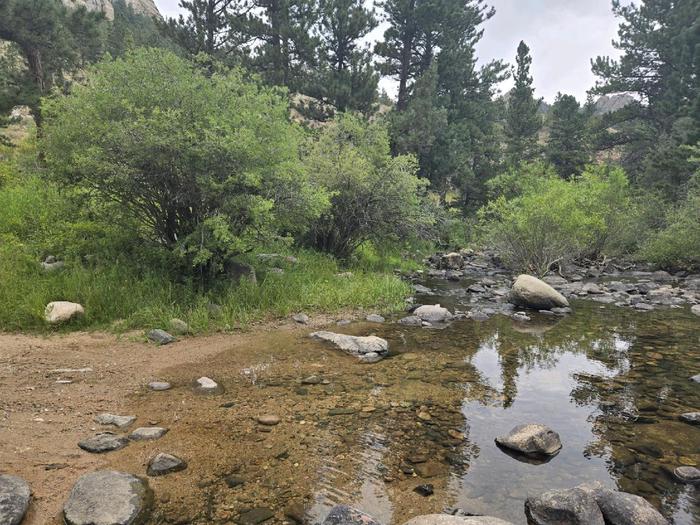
(62, 311)
(446, 519)
(530, 292)
(621, 508)
(433, 313)
(452, 261)
(15, 495)
(346, 515)
(107, 497)
(531, 440)
(572, 506)
(353, 345)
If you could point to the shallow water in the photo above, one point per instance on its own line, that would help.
(611, 382)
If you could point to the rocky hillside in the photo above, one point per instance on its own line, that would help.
(609, 104)
(146, 7)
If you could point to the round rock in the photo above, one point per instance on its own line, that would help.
(107, 497)
(531, 440)
(159, 386)
(687, 474)
(15, 495)
(162, 464)
(269, 420)
(433, 313)
(572, 506)
(103, 442)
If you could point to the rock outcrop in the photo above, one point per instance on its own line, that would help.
(143, 7)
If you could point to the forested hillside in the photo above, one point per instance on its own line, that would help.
(164, 153)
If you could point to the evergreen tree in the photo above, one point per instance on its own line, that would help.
(567, 147)
(53, 40)
(130, 30)
(660, 60)
(522, 119)
(346, 77)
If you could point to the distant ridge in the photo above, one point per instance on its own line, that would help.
(144, 7)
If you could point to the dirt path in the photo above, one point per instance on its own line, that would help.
(42, 417)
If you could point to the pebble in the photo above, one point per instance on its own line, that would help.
(255, 516)
(103, 442)
(159, 386)
(269, 420)
(160, 337)
(687, 474)
(162, 464)
(114, 420)
(301, 318)
(206, 385)
(375, 318)
(424, 490)
(691, 417)
(148, 433)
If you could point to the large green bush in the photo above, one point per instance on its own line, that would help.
(541, 220)
(203, 166)
(374, 196)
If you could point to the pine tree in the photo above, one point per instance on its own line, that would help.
(55, 42)
(346, 77)
(567, 147)
(522, 119)
(658, 40)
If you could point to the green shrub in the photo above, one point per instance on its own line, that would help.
(547, 220)
(374, 196)
(204, 167)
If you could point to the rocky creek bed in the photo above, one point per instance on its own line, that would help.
(292, 427)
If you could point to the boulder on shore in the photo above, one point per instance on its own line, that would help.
(530, 292)
(353, 345)
(15, 496)
(531, 440)
(62, 311)
(575, 506)
(108, 497)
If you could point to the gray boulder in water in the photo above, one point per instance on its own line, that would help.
(532, 440)
(433, 313)
(621, 508)
(353, 345)
(574, 506)
(108, 497)
(446, 519)
(530, 292)
(15, 495)
(346, 515)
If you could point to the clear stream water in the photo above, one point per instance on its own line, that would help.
(612, 382)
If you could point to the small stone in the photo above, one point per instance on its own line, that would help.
(62, 311)
(269, 420)
(454, 434)
(375, 318)
(114, 420)
(160, 337)
(15, 496)
(695, 378)
(103, 442)
(159, 386)
(148, 433)
(255, 516)
(411, 320)
(687, 474)
(179, 326)
(311, 380)
(691, 417)
(341, 411)
(345, 515)
(370, 357)
(425, 416)
(233, 481)
(429, 469)
(162, 464)
(206, 385)
(108, 497)
(301, 318)
(695, 309)
(424, 490)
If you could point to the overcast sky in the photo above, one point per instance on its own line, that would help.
(563, 36)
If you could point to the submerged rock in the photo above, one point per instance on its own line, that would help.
(531, 440)
(62, 311)
(15, 496)
(621, 508)
(530, 292)
(345, 515)
(687, 474)
(255, 516)
(446, 519)
(574, 506)
(108, 497)
(353, 345)
(691, 417)
(103, 442)
(162, 464)
(411, 320)
(433, 313)
(375, 318)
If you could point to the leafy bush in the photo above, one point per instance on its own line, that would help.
(205, 167)
(374, 196)
(677, 244)
(548, 220)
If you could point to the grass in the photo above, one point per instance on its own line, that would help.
(116, 298)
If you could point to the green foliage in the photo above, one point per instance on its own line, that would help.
(204, 167)
(567, 147)
(130, 30)
(552, 221)
(374, 196)
(522, 118)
